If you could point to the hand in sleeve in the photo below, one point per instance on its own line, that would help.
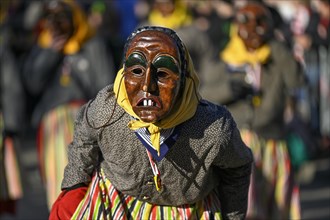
(234, 170)
(67, 203)
(240, 89)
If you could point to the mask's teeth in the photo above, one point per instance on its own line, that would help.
(149, 102)
(145, 102)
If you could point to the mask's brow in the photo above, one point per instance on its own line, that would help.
(136, 58)
(166, 61)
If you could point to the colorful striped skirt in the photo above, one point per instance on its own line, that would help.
(273, 193)
(54, 135)
(11, 185)
(103, 201)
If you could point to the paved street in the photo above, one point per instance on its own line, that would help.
(315, 190)
(33, 205)
(314, 180)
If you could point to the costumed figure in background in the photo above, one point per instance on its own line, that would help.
(12, 109)
(12, 105)
(254, 78)
(175, 14)
(149, 147)
(66, 68)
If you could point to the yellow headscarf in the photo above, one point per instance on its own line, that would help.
(179, 18)
(82, 31)
(184, 110)
(236, 53)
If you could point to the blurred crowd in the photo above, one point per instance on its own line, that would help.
(56, 56)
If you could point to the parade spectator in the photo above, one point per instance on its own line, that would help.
(317, 70)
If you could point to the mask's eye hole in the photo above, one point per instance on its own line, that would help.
(242, 18)
(137, 71)
(260, 30)
(162, 74)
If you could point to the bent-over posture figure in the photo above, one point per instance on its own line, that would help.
(150, 147)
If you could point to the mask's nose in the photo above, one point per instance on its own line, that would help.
(150, 82)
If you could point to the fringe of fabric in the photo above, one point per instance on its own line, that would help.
(11, 186)
(273, 192)
(103, 201)
(55, 134)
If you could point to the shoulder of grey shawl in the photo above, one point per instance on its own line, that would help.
(101, 110)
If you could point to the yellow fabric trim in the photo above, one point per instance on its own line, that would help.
(236, 53)
(82, 31)
(179, 18)
(184, 110)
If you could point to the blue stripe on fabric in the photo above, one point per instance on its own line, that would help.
(145, 135)
(167, 140)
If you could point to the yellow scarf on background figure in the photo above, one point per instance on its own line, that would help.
(82, 31)
(179, 18)
(236, 53)
(183, 110)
